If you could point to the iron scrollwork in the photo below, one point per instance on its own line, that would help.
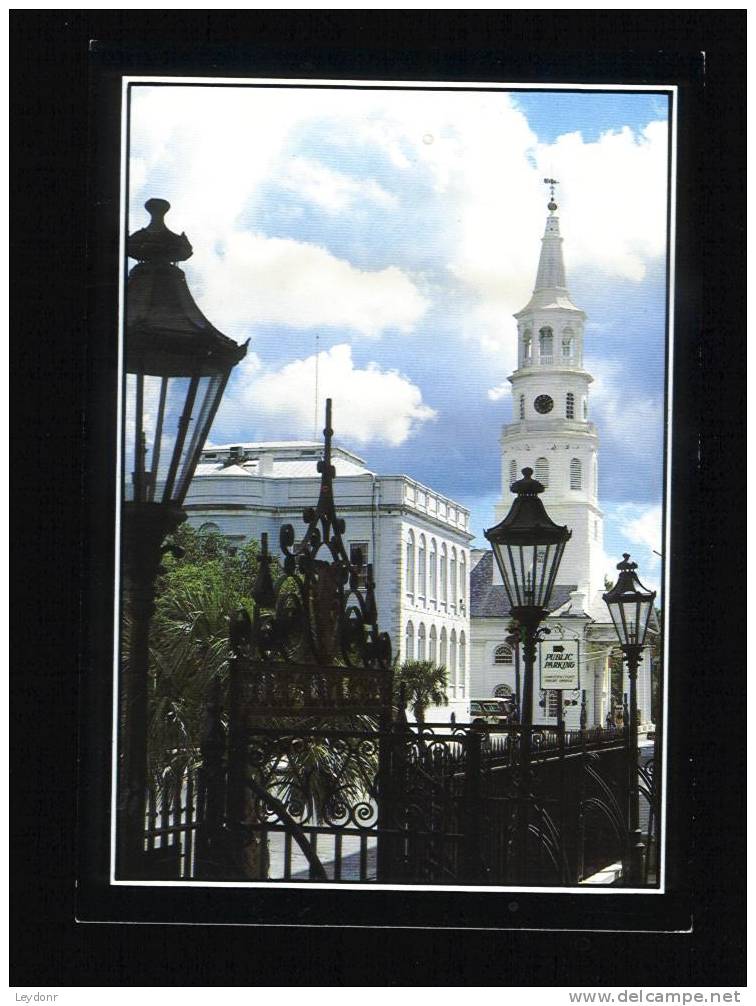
(313, 644)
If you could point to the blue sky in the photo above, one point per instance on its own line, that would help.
(401, 230)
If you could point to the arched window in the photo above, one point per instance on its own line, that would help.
(546, 344)
(512, 471)
(421, 566)
(527, 347)
(462, 660)
(411, 563)
(503, 654)
(409, 642)
(585, 408)
(453, 669)
(595, 476)
(595, 530)
(209, 528)
(421, 642)
(522, 406)
(453, 579)
(432, 645)
(462, 579)
(442, 574)
(433, 571)
(502, 691)
(567, 344)
(569, 407)
(576, 474)
(442, 649)
(542, 471)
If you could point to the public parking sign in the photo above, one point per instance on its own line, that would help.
(559, 662)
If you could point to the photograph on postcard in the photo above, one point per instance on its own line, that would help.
(391, 506)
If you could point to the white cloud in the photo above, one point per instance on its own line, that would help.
(499, 392)
(250, 278)
(332, 190)
(612, 206)
(615, 197)
(642, 526)
(637, 529)
(471, 156)
(632, 422)
(370, 404)
(211, 150)
(487, 168)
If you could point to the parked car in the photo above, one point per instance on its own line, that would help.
(494, 712)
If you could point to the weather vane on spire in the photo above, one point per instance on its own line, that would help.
(551, 182)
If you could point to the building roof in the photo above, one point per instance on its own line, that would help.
(551, 282)
(489, 600)
(298, 459)
(282, 468)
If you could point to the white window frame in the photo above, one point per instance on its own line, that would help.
(576, 474)
(411, 585)
(364, 547)
(409, 641)
(433, 572)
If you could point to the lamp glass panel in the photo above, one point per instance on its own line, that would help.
(206, 401)
(529, 572)
(167, 420)
(153, 407)
(630, 618)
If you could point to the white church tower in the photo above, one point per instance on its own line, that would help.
(551, 431)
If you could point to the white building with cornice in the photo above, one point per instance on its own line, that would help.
(417, 539)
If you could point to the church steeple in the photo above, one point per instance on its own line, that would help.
(550, 430)
(551, 280)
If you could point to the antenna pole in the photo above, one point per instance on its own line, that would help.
(317, 367)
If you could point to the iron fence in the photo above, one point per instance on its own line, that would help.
(366, 803)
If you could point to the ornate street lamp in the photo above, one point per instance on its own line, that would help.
(177, 365)
(528, 547)
(630, 606)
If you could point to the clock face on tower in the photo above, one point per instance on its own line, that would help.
(544, 404)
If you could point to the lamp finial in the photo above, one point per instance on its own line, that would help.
(155, 242)
(527, 485)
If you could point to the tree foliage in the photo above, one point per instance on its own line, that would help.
(425, 684)
(203, 582)
(197, 592)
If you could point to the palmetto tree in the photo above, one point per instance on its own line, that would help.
(425, 684)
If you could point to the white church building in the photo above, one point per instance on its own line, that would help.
(417, 539)
(551, 432)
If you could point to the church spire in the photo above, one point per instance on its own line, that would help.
(551, 281)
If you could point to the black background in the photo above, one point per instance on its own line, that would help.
(65, 104)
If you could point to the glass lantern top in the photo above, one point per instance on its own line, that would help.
(630, 604)
(527, 522)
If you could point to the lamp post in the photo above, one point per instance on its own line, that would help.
(513, 640)
(630, 606)
(528, 547)
(176, 368)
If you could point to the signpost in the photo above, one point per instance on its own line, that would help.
(559, 664)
